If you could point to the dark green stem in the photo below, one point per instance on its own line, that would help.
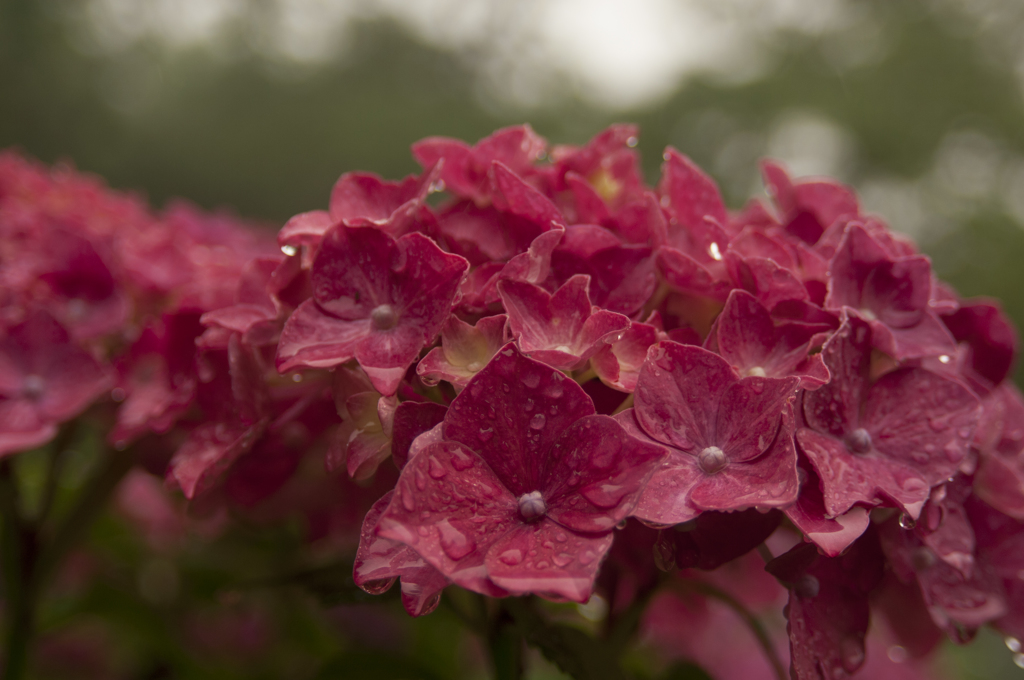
(19, 562)
(505, 645)
(89, 504)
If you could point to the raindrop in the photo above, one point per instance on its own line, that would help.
(1019, 660)
(531, 380)
(528, 406)
(461, 460)
(421, 480)
(631, 142)
(907, 522)
(851, 652)
(554, 390)
(435, 469)
(542, 564)
(289, 250)
(715, 253)
(537, 422)
(586, 557)
(485, 434)
(1012, 643)
(454, 543)
(408, 502)
(561, 537)
(504, 386)
(297, 378)
(511, 557)
(944, 358)
(897, 654)
(553, 410)
(117, 394)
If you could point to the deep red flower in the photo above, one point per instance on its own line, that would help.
(524, 491)
(755, 344)
(464, 350)
(375, 299)
(381, 561)
(730, 439)
(827, 616)
(883, 442)
(45, 379)
(465, 169)
(561, 329)
(891, 294)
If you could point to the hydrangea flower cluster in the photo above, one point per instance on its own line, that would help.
(546, 347)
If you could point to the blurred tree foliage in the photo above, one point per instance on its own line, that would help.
(269, 138)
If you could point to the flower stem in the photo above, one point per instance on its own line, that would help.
(19, 561)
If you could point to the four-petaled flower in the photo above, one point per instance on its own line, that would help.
(524, 490)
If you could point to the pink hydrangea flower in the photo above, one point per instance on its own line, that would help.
(525, 489)
(375, 299)
(729, 438)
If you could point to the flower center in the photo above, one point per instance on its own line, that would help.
(33, 386)
(384, 318)
(756, 372)
(712, 459)
(532, 506)
(859, 441)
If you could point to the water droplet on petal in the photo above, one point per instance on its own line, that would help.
(537, 422)
(408, 502)
(289, 250)
(1018, 659)
(851, 653)
(511, 557)
(1012, 643)
(907, 522)
(454, 543)
(435, 469)
(531, 380)
(528, 406)
(421, 481)
(461, 460)
(474, 366)
(561, 537)
(562, 559)
(586, 557)
(485, 434)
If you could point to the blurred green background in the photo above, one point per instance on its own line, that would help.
(260, 104)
